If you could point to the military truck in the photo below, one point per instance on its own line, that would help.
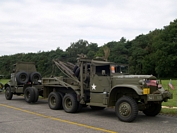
(25, 80)
(96, 83)
(100, 84)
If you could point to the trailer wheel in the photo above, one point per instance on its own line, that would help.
(8, 93)
(153, 110)
(22, 77)
(34, 77)
(96, 108)
(36, 95)
(126, 109)
(70, 104)
(55, 101)
(29, 94)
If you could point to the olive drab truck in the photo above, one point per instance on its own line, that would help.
(100, 84)
(96, 83)
(25, 80)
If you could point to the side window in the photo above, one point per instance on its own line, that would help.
(103, 70)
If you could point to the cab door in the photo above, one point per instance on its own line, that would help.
(100, 84)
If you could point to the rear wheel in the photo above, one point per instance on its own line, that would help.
(36, 95)
(8, 93)
(29, 94)
(126, 109)
(153, 110)
(70, 103)
(55, 101)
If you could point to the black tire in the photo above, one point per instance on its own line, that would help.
(97, 108)
(153, 110)
(1, 86)
(29, 94)
(126, 109)
(22, 77)
(77, 72)
(75, 68)
(36, 95)
(70, 103)
(55, 101)
(8, 93)
(35, 77)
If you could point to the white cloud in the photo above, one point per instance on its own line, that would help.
(43, 25)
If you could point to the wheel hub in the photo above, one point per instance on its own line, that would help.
(53, 100)
(124, 109)
(68, 103)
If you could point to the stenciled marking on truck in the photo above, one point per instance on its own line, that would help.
(93, 87)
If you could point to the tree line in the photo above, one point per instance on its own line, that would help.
(154, 53)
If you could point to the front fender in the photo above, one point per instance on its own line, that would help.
(136, 88)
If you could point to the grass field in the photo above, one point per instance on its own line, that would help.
(171, 102)
(3, 81)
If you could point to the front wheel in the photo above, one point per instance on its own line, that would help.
(126, 109)
(8, 93)
(153, 110)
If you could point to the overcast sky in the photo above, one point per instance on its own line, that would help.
(44, 25)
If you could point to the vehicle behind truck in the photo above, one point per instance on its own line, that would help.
(24, 81)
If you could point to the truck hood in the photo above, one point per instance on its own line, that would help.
(135, 76)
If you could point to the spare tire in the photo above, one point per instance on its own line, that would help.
(75, 68)
(22, 77)
(77, 72)
(34, 77)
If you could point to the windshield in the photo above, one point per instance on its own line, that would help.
(119, 68)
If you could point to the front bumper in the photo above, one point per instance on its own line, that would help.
(160, 97)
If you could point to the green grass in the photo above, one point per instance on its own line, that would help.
(171, 102)
(4, 81)
(172, 112)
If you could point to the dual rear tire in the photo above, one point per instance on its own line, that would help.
(31, 95)
(68, 102)
(55, 100)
